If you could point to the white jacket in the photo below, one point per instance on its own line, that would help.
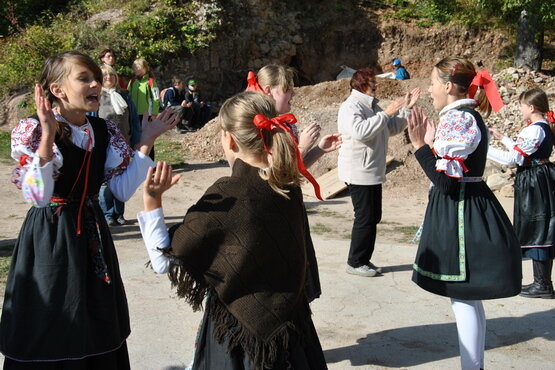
(365, 130)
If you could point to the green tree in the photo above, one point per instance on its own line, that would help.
(15, 15)
(533, 18)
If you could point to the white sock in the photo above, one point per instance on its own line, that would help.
(471, 327)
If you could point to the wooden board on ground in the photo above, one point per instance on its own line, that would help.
(330, 185)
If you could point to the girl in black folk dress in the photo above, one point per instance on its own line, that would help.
(468, 250)
(65, 305)
(534, 208)
(242, 247)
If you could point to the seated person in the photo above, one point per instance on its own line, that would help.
(201, 109)
(174, 98)
(400, 73)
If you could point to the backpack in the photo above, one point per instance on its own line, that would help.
(164, 101)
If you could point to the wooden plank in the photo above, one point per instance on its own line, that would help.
(330, 185)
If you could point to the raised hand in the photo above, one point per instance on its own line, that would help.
(412, 97)
(44, 111)
(496, 134)
(331, 142)
(394, 107)
(163, 122)
(309, 136)
(157, 182)
(418, 128)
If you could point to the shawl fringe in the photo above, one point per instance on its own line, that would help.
(189, 286)
(264, 354)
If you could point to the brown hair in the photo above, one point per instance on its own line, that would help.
(106, 51)
(460, 72)
(56, 69)
(536, 97)
(361, 79)
(237, 117)
(176, 80)
(275, 75)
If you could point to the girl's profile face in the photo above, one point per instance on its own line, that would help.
(526, 110)
(81, 90)
(282, 99)
(437, 91)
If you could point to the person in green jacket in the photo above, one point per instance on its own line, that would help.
(144, 92)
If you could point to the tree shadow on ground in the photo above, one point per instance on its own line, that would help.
(417, 345)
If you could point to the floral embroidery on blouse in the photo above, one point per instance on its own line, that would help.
(25, 141)
(457, 136)
(27, 176)
(530, 139)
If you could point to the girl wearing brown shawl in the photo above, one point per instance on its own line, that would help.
(242, 246)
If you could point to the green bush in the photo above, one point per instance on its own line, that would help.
(155, 30)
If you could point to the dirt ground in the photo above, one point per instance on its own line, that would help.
(363, 323)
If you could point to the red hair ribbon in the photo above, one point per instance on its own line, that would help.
(483, 79)
(252, 83)
(458, 159)
(550, 117)
(284, 121)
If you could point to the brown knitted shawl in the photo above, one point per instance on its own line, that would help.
(247, 243)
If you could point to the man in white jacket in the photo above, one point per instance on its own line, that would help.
(365, 129)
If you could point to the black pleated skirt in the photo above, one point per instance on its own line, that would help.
(468, 248)
(534, 211)
(58, 305)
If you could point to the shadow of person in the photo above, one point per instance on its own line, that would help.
(417, 345)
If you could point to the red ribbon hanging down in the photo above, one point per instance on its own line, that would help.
(483, 79)
(550, 117)
(252, 83)
(263, 123)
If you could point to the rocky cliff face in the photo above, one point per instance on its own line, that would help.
(317, 37)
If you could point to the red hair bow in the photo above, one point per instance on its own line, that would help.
(252, 83)
(483, 79)
(550, 117)
(284, 122)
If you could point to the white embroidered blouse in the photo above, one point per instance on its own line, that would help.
(457, 136)
(527, 142)
(37, 183)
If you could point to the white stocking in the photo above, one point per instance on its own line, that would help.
(471, 327)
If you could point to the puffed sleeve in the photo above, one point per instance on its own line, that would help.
(36, 182)
(124, 169)
(527, 143)
(457, 136)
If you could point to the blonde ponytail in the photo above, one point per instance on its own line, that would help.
(237, 117)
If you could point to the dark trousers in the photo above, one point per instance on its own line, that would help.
(367, 204)
(111, 206)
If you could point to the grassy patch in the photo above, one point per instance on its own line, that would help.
(5, 149)
(4, 268)
(325, 212)
(407, 232)
(169, 151)
(320, 229)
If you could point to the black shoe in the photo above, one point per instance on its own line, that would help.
(537, 290)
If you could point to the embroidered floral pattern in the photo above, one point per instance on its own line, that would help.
(457, 136)
(119, 155)
(25, 141)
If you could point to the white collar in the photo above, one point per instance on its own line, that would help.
(458, 104)
(364, 97)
